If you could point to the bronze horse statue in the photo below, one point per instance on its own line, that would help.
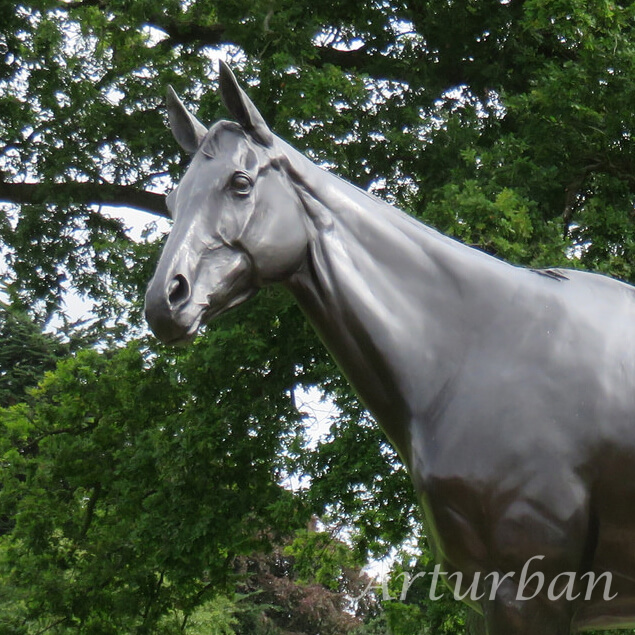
(509, 393)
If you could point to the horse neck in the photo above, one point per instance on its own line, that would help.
(388, 296)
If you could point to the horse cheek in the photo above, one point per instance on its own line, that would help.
(280, 249)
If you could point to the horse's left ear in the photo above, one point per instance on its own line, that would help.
(242, 108)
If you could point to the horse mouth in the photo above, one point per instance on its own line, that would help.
(212, 311)
(184, 338)
(207, 313)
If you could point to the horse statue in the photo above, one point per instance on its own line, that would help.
(508, 392)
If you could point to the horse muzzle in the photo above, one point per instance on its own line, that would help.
(170, 312)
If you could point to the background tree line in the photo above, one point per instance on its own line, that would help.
(142, 489)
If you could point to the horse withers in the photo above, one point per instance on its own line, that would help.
(509, 393)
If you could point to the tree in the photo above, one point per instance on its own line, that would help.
(519, 108)
(26, 354)
(130, 509)
(126, 484)
(506, 123)
(309, 584)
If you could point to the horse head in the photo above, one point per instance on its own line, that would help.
(238, 220)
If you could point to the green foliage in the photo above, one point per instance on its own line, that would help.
(215, 617)
(126, 484)
(319, 558)
(26, 354)
(360, 480)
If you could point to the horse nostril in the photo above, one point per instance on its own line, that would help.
(178, 290)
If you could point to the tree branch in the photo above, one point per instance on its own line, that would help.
(90, 509)
(53, 625)
(83, 193)
(355, 59)
(361, 59)
(186, 32)
(180, 30)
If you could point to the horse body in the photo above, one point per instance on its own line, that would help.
(507, 392)
(485, 377)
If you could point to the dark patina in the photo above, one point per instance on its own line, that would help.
(508, 393)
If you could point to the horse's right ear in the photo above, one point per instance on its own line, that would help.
(186, 128)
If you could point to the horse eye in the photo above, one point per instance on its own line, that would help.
(241, 183)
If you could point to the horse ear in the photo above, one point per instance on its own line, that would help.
(242, 108)
(186, 128)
